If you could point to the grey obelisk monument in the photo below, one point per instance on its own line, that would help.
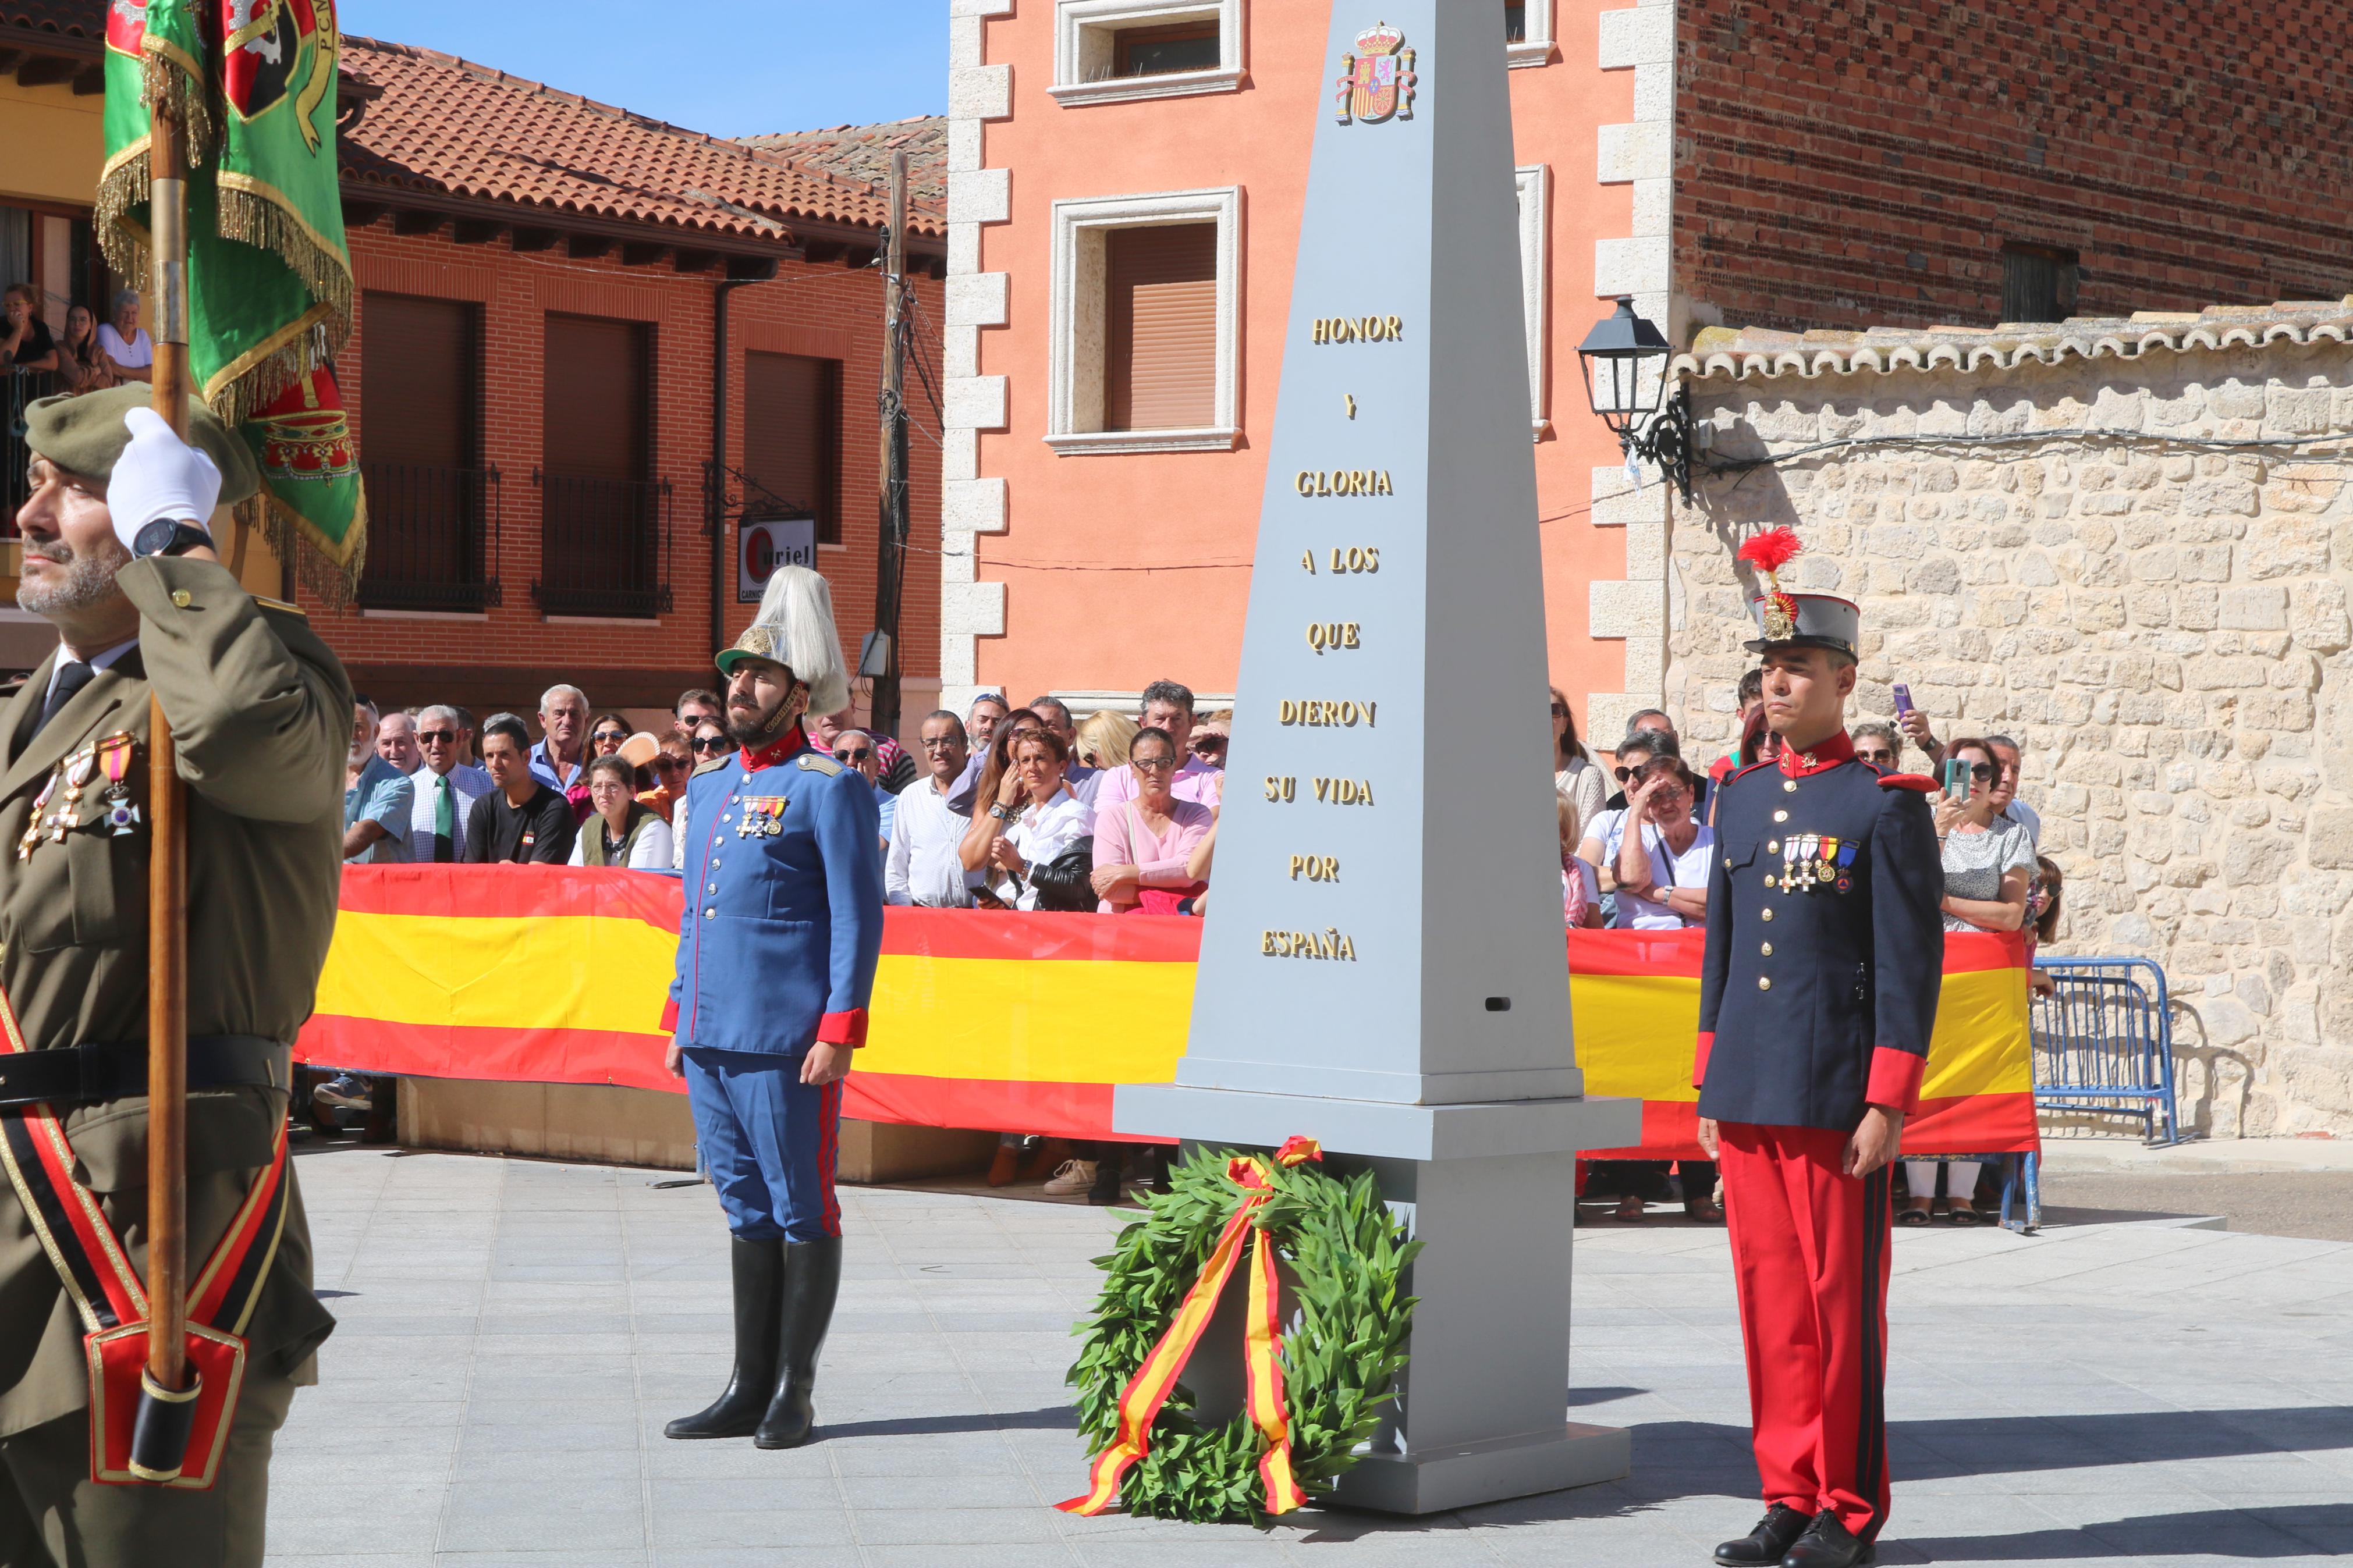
(1383, 965)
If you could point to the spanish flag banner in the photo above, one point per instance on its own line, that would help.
(1020, 1022)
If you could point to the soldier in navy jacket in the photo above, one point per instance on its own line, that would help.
(1818, 994)
(778, 941)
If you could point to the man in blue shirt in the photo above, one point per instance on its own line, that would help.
(778, 941)
(379, 800)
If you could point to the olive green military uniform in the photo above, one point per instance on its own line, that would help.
(261, 711)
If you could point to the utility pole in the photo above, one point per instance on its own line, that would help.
(890, 563)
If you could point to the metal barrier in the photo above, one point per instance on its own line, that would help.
(433, 538)
(2103, 1042)
(605, 546)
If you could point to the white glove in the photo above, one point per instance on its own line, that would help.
(158, 477)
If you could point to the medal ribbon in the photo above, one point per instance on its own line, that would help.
(114, 755)
(1148, 1390)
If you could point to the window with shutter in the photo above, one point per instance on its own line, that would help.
(601, 515)
(1160, 328)
(2038, 283)
(792, 437)
(431, 511)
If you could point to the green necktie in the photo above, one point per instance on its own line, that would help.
(445, 821)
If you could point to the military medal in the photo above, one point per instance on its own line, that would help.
(762, 816)
(114, 754)
(31, 838)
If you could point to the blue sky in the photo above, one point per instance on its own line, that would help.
(729, 69)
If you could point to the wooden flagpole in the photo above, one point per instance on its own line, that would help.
(167, 874)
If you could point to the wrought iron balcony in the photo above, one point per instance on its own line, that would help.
(604, 546)
(433, 538)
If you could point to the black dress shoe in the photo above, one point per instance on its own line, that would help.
(1765, 1546)
(1827, 1545)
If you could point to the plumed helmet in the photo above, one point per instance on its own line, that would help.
(794, 628)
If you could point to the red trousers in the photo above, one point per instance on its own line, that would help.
(1809, 1248)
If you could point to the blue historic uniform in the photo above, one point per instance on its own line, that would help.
(778, 941)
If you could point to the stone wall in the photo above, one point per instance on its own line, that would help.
(2164, 626)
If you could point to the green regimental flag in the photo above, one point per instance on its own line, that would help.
(269, 277)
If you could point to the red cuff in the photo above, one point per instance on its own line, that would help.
(1699, 1058)
(1895, 1080)
(669, 1016)
(842, 1028)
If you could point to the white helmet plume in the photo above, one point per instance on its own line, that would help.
(794, 628)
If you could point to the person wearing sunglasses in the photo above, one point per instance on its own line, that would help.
(1876, 744)
(1989, 862)
(1606, 829)
(446, 788)
(858, 751)
(608, 733)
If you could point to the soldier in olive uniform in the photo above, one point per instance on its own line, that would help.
(116, 557)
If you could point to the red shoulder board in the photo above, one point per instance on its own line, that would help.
(1920, 781)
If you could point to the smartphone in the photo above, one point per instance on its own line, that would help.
(1903, 700)
(1957, 778)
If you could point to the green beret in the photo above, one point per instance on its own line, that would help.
(84, 435)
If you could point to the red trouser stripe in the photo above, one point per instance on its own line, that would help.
(1809, 1248)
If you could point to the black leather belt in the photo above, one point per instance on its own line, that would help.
(84, 1075)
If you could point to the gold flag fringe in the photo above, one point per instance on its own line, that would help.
(334, 581)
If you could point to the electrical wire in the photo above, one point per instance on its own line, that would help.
(2024, 438)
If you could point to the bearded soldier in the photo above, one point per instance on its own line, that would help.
(117, 557)
(777, 947)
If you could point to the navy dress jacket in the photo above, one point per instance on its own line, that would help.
(1825, 942)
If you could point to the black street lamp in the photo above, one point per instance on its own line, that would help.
(1625, 360)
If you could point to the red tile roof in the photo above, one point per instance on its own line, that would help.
(444, 126)
(82, 19)
(863, 153)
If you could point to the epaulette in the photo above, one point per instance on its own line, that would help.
(1920, 781)
(818, 763)
(281, 606)
(721, 760)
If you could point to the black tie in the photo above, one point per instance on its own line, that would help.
(72, 675)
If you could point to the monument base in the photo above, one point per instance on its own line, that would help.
(1489, 1190)
(1430, 1481)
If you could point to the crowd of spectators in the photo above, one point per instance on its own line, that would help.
(1034, 808)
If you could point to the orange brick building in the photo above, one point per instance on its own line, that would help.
(547, 286)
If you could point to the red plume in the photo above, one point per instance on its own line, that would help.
(1771, 549)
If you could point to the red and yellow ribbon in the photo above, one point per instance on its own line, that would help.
(1148, 1390)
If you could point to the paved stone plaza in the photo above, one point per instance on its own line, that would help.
(514, 1335)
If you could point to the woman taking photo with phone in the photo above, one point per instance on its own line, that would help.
(1987, 864)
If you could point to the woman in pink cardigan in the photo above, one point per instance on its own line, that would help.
(1141, 845)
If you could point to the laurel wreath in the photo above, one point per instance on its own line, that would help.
(1344, 1255)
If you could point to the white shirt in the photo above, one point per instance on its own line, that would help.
(924, 866)
(1042, 832)
(103, 659)
(2028, 819)
(1688, 870)
(467, 785)
(139, 352)
(651, 852)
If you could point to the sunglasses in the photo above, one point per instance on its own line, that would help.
(615, 736)
(1875, 756)
(714, 746)
(437, 737)
(1560, 710)
(1981, 771)
(1624, 774)
(853, 753)
(669, 764)
(1154, 764)
(1210, 745)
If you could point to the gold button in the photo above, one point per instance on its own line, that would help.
(1768, 912)
(1764, 982)
(183, 598)
(1767, 949)
(1790, 786)
(1770, 880)
(1780, 816)
(1772, 847)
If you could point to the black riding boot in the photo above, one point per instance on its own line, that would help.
(759, 1272)
(812, 1279)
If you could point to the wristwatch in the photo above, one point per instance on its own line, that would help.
(1000, 812)
(165, 537)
